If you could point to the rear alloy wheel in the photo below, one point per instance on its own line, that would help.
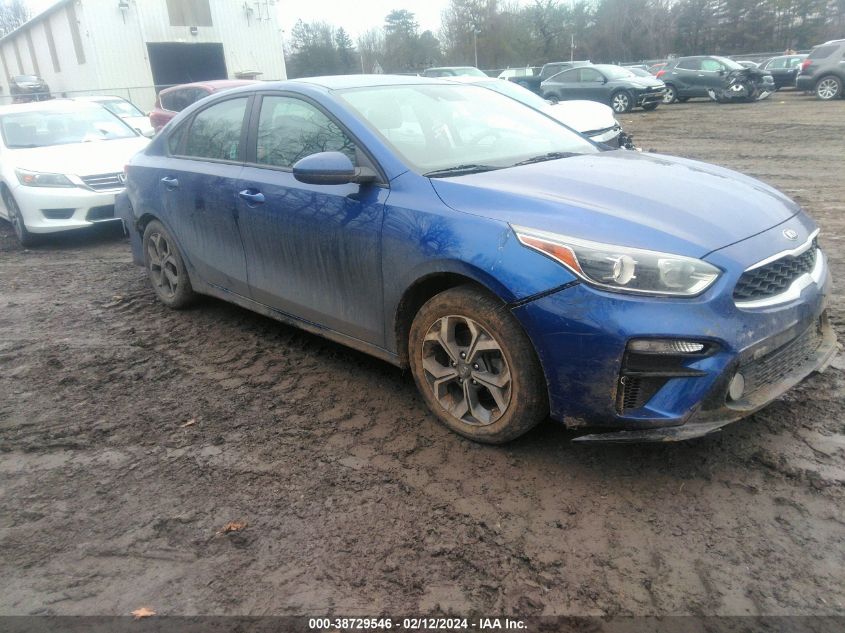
(828, 88)
(16, 220)
(165, 267)
(671, 95)
(621, 102)
(475, 367)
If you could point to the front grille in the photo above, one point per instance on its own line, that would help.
(781, 362)
(100, 182)
(775, 277)
(105, 212)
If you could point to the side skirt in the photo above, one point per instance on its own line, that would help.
(308, 326)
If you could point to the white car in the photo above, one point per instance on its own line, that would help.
(61, 165)
(592, 119)
(126, 110)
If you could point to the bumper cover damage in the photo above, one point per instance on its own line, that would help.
(808, 352)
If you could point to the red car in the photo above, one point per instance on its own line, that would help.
(171, 101)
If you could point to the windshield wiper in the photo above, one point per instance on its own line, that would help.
(457, 170)
(544, 157)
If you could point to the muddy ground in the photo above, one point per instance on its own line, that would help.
(131, 435)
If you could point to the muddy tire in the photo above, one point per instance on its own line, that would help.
(166, 268)
(25, 238)
(475, 367)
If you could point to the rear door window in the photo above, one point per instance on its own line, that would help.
(711, 65)
(777, 62)
(567, 76)
(591, 75)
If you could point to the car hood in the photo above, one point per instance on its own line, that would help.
(583, 116)
(80, 159)
(140, 123)
(645, 82)
(622, 197)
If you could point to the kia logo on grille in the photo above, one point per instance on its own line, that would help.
(790, 234)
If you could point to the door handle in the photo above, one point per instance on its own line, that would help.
(252, 196)
(170, 182)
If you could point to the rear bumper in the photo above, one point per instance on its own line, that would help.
(805, 82)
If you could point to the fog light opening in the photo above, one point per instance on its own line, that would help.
(737, 387)
(665, 346)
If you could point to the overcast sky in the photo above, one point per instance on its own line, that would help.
(356, 16)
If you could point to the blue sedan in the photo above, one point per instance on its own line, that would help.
(519, 270)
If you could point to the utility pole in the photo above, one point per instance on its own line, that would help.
(475, 33)
(572, 48)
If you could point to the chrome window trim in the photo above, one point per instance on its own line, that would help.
(795, 251)
(816, 276)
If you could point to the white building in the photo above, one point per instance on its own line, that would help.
(130, 47)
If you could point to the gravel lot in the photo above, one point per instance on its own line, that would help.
(131, 435)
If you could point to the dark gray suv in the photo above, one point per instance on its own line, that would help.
(823, 72)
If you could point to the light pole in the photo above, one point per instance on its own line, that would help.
(475, 33)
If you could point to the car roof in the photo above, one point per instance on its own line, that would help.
(99, 98)
(214, 84)
(471, 79)
(52, 105)
(341, 82)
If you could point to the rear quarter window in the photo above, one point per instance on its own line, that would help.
(215, 132)
(820, 52)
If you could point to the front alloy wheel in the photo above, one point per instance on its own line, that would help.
(670, 95)
(475, 367)
(621, 102)
(466, 370)
(16, 220)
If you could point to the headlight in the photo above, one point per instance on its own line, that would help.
(36, 179)
(621, 268)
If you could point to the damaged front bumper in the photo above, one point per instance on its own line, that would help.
(777, 367)
(603, 380)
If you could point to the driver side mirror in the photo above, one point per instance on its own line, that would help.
(331, 168)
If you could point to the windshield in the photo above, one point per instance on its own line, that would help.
(436, 127)
(121, 108)
(514, 91)
(43, 128)
(615, 72)
(729, 63)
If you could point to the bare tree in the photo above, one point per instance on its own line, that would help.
(13, 13)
